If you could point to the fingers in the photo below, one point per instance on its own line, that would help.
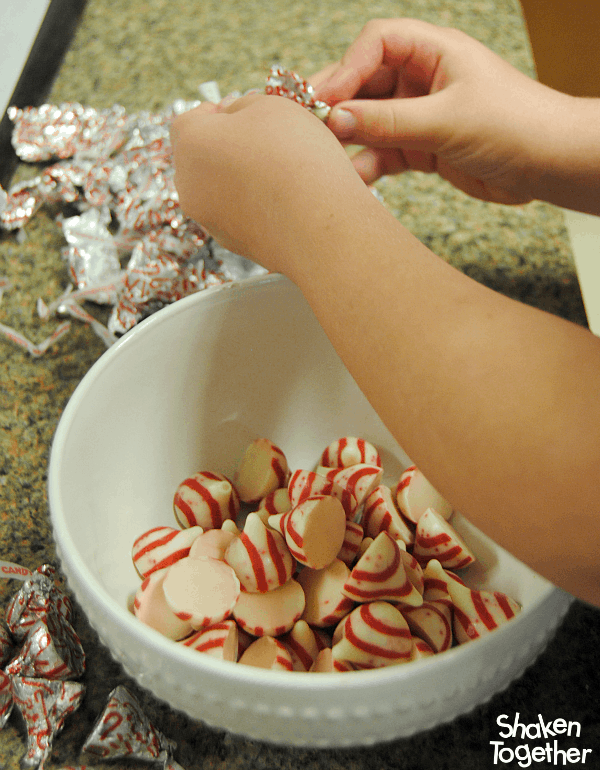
(390, 57)
(321, 77)
(371, 164)
(231, 104)
(415, 123)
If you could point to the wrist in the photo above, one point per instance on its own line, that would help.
(566, 156)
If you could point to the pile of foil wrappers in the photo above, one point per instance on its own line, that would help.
(43, 660)
(128, 243)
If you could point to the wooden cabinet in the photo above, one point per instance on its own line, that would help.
(565, 39)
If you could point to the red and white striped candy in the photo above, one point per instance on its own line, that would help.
(350, 450)
(381, 515)
(269, 653)
(150, 606)
(260, 557)
(272, 613)
(276, 521)
(366, 542)
(374, 635)
(380, 574)
(431, 623)
(414, 495)
(160, 547)
(244, 640)
(202, 591)
(421, 649)
(476, 613)
(262, 470)
(414, 571)
(314, 530)
(436, 578)
(205, 499)
(304, 644)
(351, 545)
(275, 502)
(305, 484)
(229, 525)
(325, 664)
(213, 543)
(219, 641)
(435, 538)
(360, 480)
(326, 603)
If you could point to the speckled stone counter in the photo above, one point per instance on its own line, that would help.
(143, 55)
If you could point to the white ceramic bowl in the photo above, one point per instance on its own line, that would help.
(188, 389)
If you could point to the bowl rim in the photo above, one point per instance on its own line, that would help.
(75, 567)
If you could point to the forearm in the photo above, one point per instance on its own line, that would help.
(494, 400)
(566, 155)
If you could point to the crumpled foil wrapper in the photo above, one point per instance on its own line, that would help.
(6, 698)
(35, 600)
(282, 82)
(130, 232)
(52, 650)
(38, 679)
(123, 731)
(44, 705)
(6, 643)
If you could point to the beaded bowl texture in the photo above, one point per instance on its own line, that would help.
(188, 389)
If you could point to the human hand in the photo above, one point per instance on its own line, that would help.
(432, 99)
(256, 172)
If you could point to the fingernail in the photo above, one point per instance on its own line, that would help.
(229, 99)
(342, 122)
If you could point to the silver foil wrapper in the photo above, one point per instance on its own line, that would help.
(282, 82)
(37, 597)
(6, 698)
(130, 231)
(52, 650)
(123, 731)
(6, 643)
(50, 131)
(44, 705)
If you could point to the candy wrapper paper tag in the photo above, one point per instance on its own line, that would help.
(123, 731)
(44, 706)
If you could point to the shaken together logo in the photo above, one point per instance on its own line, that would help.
(544, 738)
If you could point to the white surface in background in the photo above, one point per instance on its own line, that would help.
(20, 21)
(584, 232)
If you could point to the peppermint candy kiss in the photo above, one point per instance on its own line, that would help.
(268, 652)
(219, 640)
(435, 538)
(314, 530)
(380, 574)
(205, 499)
(414, 495)
(161, 547)
(263, 469)
(326, 602)
(260, 557)
(350, 450)
(478, 612)
(374, 635)
(380, 514)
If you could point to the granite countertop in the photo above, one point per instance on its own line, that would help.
(143, 55)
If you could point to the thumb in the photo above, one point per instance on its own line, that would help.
(415, 122)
